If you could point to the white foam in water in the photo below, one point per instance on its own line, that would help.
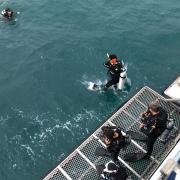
(91, 85)
(97, 82)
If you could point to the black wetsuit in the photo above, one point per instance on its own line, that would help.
(114, 72)
(160, 120)
(116, 145)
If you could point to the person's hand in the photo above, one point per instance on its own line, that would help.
(141, 125)
(107, 141)
(143, 114)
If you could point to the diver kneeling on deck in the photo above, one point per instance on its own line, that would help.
(153, 124)
(114, 140)
(7, 13)
(115, 67)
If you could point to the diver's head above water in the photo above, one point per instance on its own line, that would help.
(7, 13)
(112, 56)
(113, 59)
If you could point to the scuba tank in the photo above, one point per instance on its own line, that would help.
(165, 135)
(122, 79)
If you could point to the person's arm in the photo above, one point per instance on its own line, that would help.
(107, 64)
(144, 114)
(107, 141)
(141, 125)
(143, 118)
(122, 142)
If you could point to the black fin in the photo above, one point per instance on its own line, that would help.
(100, 151)
(137, 135)
(95, 86)
(134, 156)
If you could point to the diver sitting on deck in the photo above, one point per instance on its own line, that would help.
(114, 140)
(153, 124)
(7, 13)
(111, 171)
(115, 67)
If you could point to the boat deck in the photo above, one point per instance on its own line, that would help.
(81, 163)
(173, 91)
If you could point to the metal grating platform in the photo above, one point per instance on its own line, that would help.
(80, 164)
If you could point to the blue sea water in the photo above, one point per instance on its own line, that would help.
(49, 53)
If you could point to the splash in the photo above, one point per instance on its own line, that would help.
(90, 84)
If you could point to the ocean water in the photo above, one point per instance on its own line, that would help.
(52, 50)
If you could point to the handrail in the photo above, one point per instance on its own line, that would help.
(173, 100)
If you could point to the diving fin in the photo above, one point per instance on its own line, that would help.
(136, 156)
(100, 168)
(100, 151)
(95, 86)
(137, 135)
(99, 87)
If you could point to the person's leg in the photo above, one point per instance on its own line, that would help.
(116, 81)
(151, 140)
(113, 81)
(114, 155)
(109, 84)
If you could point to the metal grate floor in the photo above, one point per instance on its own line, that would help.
(80, 164)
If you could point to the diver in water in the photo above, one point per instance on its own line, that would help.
(115, 67)
(7, 13)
